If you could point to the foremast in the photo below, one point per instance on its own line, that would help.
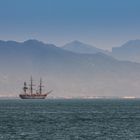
(25, 88)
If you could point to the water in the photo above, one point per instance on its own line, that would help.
(69, 119)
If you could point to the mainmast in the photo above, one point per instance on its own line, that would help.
(40, 86)
(31, 86)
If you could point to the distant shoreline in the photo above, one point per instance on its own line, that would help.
(76, 98)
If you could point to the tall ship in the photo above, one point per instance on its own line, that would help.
(29, 91)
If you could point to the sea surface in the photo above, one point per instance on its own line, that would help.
(98, 119)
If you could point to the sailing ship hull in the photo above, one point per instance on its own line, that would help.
(33, 96)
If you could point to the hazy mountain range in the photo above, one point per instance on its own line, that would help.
(68, 73)
(79, 47)
(128, 51)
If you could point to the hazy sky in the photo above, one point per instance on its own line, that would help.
(103, 23)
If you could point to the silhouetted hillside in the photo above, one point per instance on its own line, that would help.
(67, 73)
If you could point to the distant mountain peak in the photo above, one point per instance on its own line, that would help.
(80, 47)
(33, 41)
(132, 43)
(128, 51)
(76, 42)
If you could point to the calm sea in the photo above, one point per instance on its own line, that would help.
(70, 119)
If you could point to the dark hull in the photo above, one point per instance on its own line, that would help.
(33, 96)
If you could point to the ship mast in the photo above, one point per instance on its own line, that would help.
(40, 86)
(25, 87)
(31, 86)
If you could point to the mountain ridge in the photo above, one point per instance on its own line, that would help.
(128, 51)
(67, 73)
(79, 47)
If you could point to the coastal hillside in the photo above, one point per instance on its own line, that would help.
(69, 74)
